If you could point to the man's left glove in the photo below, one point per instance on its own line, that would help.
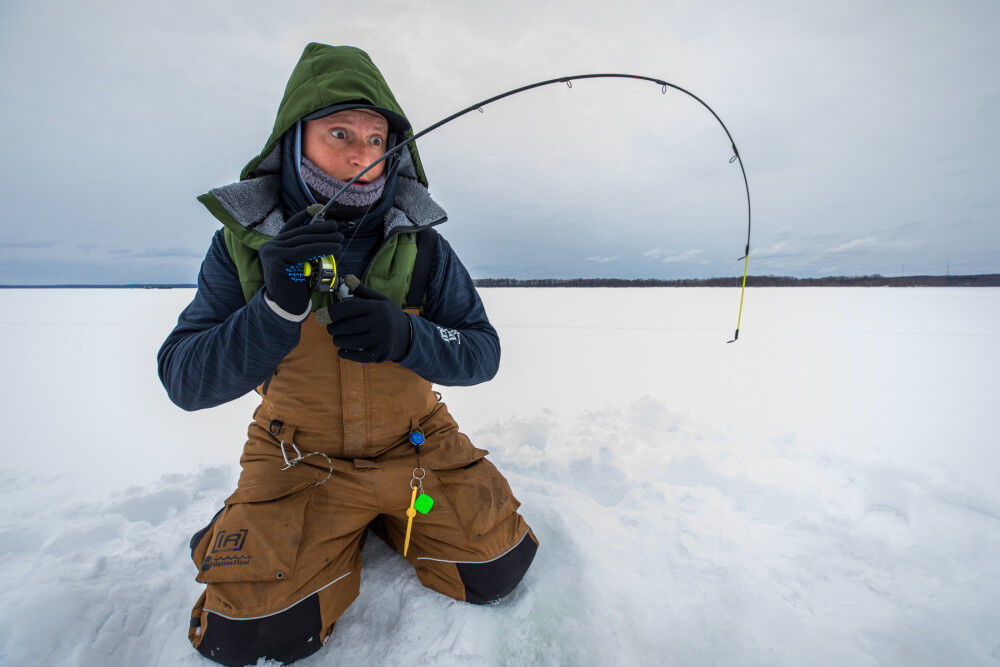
(369, 328)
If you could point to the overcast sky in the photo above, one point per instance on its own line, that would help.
(869, 131)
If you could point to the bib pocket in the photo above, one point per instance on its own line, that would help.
(479, 496)
(257, 535)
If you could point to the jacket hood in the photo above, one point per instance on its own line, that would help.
(327, 76)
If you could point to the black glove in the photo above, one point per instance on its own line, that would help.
(369, 327)
(281, 258)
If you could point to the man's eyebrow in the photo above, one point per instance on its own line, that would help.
(337, 126)
(329, 125)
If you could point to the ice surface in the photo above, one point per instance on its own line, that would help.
(822, 492)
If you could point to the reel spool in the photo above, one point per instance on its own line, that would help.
(321, 274)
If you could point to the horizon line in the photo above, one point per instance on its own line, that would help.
(874, 276)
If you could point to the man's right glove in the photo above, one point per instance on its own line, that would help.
(369, 328)
(281, 258)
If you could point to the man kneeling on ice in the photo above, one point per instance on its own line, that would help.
(349, 434)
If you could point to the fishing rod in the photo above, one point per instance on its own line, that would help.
(325, 273)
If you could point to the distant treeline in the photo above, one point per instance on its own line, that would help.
(981, 280)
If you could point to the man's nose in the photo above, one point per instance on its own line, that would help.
(364, 156)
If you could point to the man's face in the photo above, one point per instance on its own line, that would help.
(344, 143)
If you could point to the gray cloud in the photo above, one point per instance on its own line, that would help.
(157, 253)
(779, 249)
(667, 258)
(851, 246)
(26, 245)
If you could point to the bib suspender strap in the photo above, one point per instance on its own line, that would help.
(426, 247)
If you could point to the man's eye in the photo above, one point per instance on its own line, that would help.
(338, 134)
(377, 141)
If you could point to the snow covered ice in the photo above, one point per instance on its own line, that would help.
(822, 492)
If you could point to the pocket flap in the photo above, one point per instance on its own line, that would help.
(453, 450)
(257, 536)
(272, 487)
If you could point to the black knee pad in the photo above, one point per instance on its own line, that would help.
(286, 636)
(490, 581)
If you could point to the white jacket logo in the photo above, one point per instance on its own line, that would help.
(449, 335)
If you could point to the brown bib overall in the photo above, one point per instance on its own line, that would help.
(282, 560)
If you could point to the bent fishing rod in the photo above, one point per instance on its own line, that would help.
(330, 268)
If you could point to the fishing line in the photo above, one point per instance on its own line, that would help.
(568, 80)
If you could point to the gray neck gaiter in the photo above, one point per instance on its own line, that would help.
(328, 186)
